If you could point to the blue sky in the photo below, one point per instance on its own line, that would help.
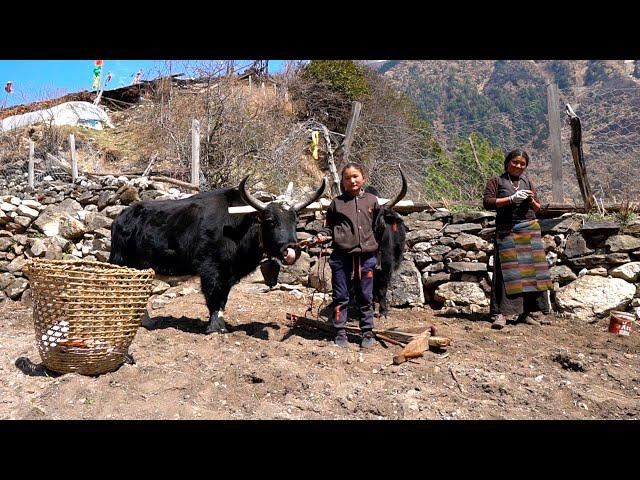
(35, 80)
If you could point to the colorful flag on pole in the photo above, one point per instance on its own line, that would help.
(97, 71)
(136, 79)
(8, 87)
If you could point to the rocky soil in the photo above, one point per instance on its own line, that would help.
(265, 369)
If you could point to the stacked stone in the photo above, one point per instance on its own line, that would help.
(58, 220)
(448, 263)
(595, 267)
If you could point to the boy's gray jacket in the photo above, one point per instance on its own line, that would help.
(350, 222)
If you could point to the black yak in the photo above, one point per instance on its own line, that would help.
(390, 232)
(198, 236)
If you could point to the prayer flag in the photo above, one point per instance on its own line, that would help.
(97, 71)
(136, 79)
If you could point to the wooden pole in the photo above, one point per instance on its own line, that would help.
(351, 128)
(180, 183)
(31, 153)
(475, 156)
(335, 186)
(195, 153)
(553, 111)
(147, 171)
(249, 83)
(578, 158)
(399, 337)
(74, 158)
(346, 145)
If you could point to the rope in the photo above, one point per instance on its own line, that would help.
(322, 262)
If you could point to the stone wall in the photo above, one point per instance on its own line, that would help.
(61, 221)
(448, 264)
(595, 265)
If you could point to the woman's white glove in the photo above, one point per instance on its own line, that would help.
(519, 197)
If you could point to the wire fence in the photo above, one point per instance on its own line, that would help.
(14, 169)
(610, 138)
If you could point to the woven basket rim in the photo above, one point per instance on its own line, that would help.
(80, 265)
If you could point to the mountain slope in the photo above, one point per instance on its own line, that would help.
(505, 101)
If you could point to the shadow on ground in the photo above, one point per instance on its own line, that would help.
(184, 324)
(197, 325)
(31, 369)
(474, 317)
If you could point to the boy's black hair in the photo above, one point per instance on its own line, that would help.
(356, 165)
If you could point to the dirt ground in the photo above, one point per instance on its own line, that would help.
(263, 369)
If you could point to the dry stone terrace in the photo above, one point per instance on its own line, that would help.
(595, 264)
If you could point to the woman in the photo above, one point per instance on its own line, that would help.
(521, 274)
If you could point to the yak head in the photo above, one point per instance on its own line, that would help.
(278, 224)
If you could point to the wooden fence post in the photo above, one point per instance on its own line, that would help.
(578, 159)
(195, 153)
(351, 128)
(31, 153)
(475, 156)
(346, 144)
(553, 112)
(335, 186)
(74, 158)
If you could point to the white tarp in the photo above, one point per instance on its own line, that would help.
(70, 113)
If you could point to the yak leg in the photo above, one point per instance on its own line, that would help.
(381, 287)
(215, 288)
(216, 323)
(384, 308)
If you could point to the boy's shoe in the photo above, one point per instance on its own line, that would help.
(368, 340)
(499, 322)
(341, 340)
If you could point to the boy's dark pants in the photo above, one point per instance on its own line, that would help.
(344, 268)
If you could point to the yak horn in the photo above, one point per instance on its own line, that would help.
(248, 198)
(312, 198)
(401, 194)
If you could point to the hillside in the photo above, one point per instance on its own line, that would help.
(266, 130)
(505, 101)
(462, 90)
(243, 129)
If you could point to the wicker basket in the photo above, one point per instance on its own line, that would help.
(86, 313)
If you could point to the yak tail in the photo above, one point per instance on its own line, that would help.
(117, 246)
